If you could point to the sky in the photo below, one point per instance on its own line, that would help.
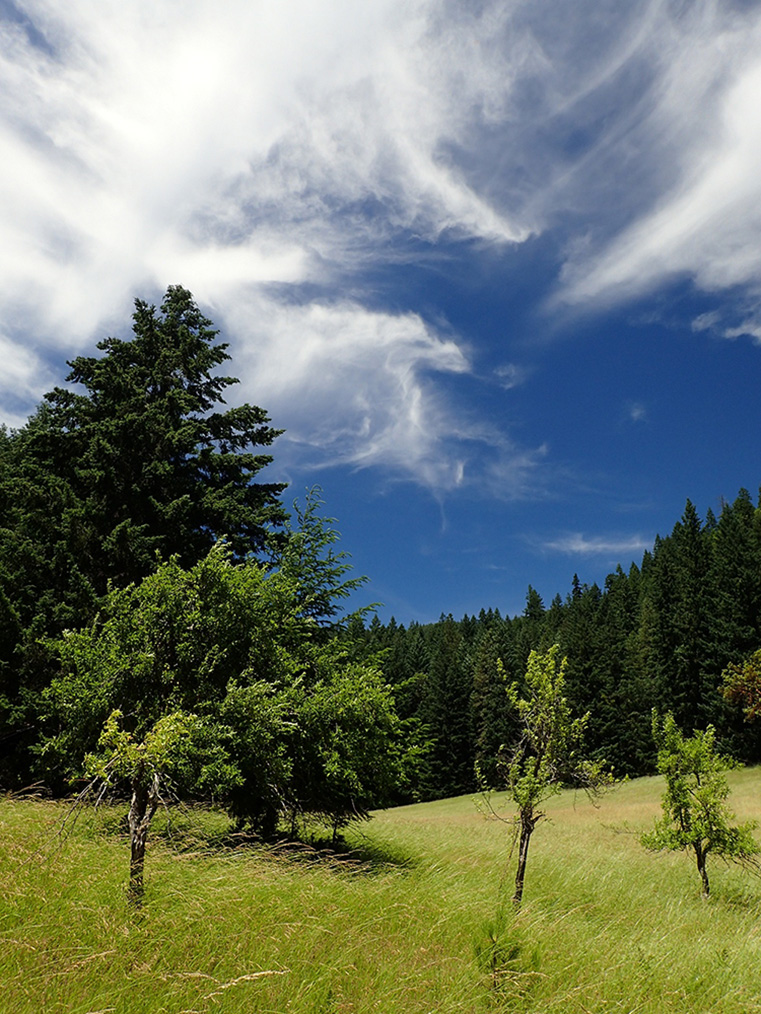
(495, 267)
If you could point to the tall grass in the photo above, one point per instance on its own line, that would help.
(415, 918)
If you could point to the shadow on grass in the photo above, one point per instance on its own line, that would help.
(371, 855)
(746, 898)
(363, 856)
(190, 829)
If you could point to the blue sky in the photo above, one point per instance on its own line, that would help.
(494, 266)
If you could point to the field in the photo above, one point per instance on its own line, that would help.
(415, 918)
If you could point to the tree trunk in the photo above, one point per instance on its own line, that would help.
(700, 855)
(145, 799)
(527, 828)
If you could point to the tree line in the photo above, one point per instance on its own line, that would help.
(659, 635)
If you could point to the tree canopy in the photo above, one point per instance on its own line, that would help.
(135, 462)
(696, 817)
(213, 678)
(142, 460)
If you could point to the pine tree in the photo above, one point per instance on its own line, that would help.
(736, 613)
(493, 721)
(679, 588)
(136, 460)
(446, 714)
(142, 462)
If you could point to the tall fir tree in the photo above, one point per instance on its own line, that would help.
(446, 712)
(494, 722)
(136, 460)
(679, 585)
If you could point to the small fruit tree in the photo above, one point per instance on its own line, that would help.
(549, 752)
(696, 817)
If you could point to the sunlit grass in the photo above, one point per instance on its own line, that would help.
(409, 921)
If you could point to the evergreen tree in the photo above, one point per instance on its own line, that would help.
(579, 636)
(446, 713)
(679, 587)
(529, 634)
(137, 459)
(493, 720)
(306, 556)
(736, 581)
(153, 464)
(628, 689)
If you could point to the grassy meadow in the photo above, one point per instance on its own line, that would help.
(415, 918)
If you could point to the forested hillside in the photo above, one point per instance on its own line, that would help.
(153, 590)
(659, 635)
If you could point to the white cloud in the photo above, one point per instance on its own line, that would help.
(146, 133)
(19, 380)
(247, 149)
(750, 328)
(577, 544)
(706, 321)
(510, 375)
(357, 387)
(350, 384)
(704, 211)
(229, 148)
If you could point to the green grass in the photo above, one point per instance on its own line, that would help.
(416, 919)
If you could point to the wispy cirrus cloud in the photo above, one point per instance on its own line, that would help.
(636, 411)
(270, 156)
(511, 375)
(360, 388)
(578, 544)
(242, 149)
(719, 324)
(699, 217)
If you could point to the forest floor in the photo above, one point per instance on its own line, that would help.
(414, 917)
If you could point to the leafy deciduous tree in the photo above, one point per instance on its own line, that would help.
(213, 677)
(742, 685)
(696, 817)
(548, 754)
(178, 751)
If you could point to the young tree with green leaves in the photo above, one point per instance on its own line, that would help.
(548, 754)
(147, 698)
(696, 817)
(213, 677)
(178, 752)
